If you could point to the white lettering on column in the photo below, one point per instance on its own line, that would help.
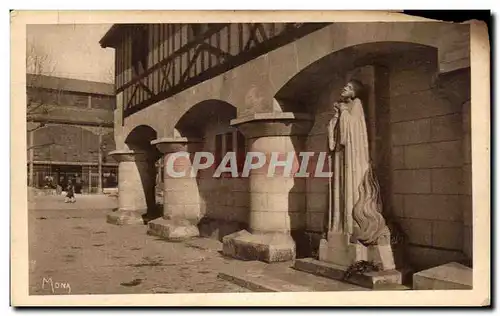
(287, 163)
(197, 165)
(261, 160)
(233, 166)
(170, 164)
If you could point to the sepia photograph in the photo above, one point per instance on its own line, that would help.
(316, 158)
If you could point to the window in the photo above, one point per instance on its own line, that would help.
(233, 141)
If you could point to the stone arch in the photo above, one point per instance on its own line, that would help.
(314, 88)
(450, 41)
(222, 201)
(307, 83)
(197, 118)
(140, 137)
(146, 155)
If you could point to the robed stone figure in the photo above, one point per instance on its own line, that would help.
(354, 199)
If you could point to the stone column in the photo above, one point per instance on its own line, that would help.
(135, 187)
(272, 197)
(181, 202)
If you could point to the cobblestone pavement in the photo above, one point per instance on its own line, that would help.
(74, 251)
(77, 252)
(56, 202)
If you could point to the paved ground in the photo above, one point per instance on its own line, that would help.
(56, 202)
(75, 251)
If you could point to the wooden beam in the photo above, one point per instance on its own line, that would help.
(215, 51)
(262, 31)
(165, 84)
(228, 60)
(131, 100)
(146, 88)
(252, 37)
(176, 53)
(190, 65)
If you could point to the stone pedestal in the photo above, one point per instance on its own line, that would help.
(135, 187)
(339, 250)
(389, 279)
(272, 197)
(181, 205)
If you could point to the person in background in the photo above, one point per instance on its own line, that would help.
(70, 195)
(46, 182)
(78, 183)
(50, 182)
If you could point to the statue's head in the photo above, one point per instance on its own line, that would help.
(352, 89)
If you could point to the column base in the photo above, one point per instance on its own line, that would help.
(272, 247)
(172, 229)
(122, 217)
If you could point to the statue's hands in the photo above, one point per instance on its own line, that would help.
(331, 144)
(339, 147)
(341, 106)
(331, 134)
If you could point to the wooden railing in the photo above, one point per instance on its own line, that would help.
(220, 48)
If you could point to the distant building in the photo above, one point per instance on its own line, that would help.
(71, 132)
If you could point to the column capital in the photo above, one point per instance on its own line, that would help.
(274, 124)
(174, 144)
(128, 155)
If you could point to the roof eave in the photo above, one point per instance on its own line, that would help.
(108, 38)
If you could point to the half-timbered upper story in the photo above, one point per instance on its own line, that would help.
(156, 61)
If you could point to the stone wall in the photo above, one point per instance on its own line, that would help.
(427, 165)
(467, 186)
(429, 146)
(224, 201)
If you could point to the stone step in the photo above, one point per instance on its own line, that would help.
(280, 277)
(445, 277)
(258, 282)
(391, 279)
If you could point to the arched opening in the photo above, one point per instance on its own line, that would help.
(223, 201)
(139, 140)
(140, 137)
(309, 83)
(387, 70)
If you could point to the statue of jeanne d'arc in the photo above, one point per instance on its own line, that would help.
(355, 203)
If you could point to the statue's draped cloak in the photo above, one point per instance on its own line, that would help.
(355, 192)
(353, 136)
